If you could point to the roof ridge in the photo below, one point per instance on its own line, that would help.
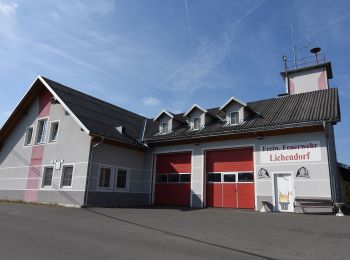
(95, 98)
(267, 99)
(294, 95)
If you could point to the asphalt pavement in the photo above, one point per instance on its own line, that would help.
(45, 232)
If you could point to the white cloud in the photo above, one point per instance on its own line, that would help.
(151, 101)
(8, 9)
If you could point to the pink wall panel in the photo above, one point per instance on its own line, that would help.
(35, 168)
(322, 80)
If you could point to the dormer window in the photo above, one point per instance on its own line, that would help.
(169, 122)
(236, 111)
(196, 123)
(234, 118)
(164, 128)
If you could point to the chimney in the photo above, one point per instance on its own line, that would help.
(308, 74)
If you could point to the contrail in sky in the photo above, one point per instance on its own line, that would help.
(188, 19)
(212, 43)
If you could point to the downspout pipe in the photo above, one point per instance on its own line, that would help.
(90, 170)
(330, 166)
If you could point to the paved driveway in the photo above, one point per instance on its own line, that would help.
(43, 232)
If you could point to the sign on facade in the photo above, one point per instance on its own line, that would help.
(290, 152)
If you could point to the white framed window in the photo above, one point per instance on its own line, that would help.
(164, 128)
(196, 123)
(29, 136)
(53, 137)
(122, 179)
(214, 177)
(230, 177)
(41, 131)
(104, 178)
(67, 176)
(47, 177)
(173, 178)
(234, 118)
(245, 177)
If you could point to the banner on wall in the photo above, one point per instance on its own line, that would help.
(290, 152)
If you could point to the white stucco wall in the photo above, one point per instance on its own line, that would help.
(318, 185)
(307, 81)
(72, 148)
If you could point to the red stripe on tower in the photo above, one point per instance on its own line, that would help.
(322, 80)
(35, 166)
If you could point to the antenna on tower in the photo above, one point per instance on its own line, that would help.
(296, 51)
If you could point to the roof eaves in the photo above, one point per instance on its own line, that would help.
(326, 64)
(136, 144)
(19, 103)
(232, 99)
(64, 105)
(163, 112)
(240, 131)
(195, 106)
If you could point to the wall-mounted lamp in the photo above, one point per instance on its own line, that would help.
(260, 137)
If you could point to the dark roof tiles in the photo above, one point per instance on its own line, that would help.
(287, 111)
(102, 118)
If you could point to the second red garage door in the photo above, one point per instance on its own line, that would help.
(173, 179)
(230, 178)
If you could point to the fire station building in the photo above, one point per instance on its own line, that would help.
(65, 147)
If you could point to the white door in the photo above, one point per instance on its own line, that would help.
(284, 200)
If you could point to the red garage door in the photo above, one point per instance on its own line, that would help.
(173, 179)
(230, 178)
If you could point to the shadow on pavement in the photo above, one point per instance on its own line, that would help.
(94, 211)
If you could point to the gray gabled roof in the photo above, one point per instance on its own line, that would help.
(197, 107)
(231, 99)
(97, 117)
(305, 109)
(102, 118)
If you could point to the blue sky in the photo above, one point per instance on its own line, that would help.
(145, 55)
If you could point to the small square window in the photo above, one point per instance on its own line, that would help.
(122, 176)
(105, 177)
(230, 177)
(29, 136)
(196, 123)
(214, 177)
(185, 177)
(53, 132)
(161, 178)
(234, 118)
(173, 177)
(245, 177)
(67, 175)
(47, 178)
(41, 131)
(165, 128)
